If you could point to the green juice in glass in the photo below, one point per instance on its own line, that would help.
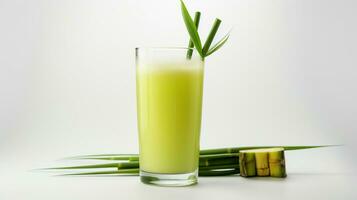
(169, 103)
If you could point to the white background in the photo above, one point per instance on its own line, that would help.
(287, 76)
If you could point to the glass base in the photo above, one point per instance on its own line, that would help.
(169, 180)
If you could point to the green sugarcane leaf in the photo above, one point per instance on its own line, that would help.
(109, 165)
(124, 171)
(102, 155)
(130, 159)
(190, 44)
(218, 45)
(191, 29)
(125, 165)
(203, 153)
(237, 149)
(135, 172)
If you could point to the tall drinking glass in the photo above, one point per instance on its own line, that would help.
(169, 104)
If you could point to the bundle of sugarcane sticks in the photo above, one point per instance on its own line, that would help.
(247, 161)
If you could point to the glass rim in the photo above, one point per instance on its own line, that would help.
(163, 48)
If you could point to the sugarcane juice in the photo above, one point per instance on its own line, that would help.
(169, 98)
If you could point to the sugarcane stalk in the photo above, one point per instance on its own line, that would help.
(213, 156)
(215, 167)
(218, 172)
(277, 163)
(205, 162)
(209, 164)
(247, 164)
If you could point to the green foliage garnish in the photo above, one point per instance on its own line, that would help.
(212, 162)
(218, 45)
(195, 37)
(211, 35)
(191, 28)
(190, 44)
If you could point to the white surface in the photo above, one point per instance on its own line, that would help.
(310, 179)
(296, 186)
(286, 76)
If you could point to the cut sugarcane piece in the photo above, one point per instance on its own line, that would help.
(262, 163)
(277, 163)
(247, 164)
(266, 162)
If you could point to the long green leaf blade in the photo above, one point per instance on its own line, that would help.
(237, 149)
(130, 159)
(122, 165)
(191, 28)
(109, 165)
(135, 172)
(190, 44)
(218, 45)
(124, 171)
(203, 153)
(103, 155)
